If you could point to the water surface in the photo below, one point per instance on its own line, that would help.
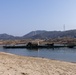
(64, 54)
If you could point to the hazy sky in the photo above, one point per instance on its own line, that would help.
(18, 17)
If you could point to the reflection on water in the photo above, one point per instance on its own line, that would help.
(66, 54)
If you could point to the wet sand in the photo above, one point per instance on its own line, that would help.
(11, 64)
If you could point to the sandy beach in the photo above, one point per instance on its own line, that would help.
(20, 65)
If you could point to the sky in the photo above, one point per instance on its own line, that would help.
(19, 17)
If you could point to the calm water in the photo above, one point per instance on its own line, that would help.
(65, 54)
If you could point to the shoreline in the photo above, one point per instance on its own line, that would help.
(12, 64)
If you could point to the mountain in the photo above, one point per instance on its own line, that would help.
(44, 35)
(50, 34)
(33, 33)
(6, 36)
(41, 34)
